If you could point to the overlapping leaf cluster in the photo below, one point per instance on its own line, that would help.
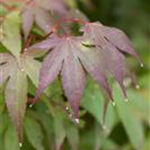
(15, 67)
(99, 52)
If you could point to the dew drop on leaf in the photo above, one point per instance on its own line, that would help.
(25, 49)
(31, 105)
(22, 70)
(126, 100)
(142, 65)
(113, 103)
(20, 144)
(77, 121)
(105, 128)
(70, 115)
(67, 108)
(137, 86)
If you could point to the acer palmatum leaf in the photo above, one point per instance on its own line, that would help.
(111, 43)
(73, 78)
(38, 11)
(113, 36)
(97, 52)
(70, 58)
(7, 38)
(38, 15)
(57, 6)
(16, 96)
(16, 71)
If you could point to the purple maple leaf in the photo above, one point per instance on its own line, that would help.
(98, 52)
(39, 12)
(111, 43)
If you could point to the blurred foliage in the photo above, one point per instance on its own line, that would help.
(48, 125)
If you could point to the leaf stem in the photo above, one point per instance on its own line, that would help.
(66, 20)
(27, 43)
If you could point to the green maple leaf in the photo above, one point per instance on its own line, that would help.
(15, 67)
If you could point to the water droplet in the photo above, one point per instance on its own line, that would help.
(22, 70)
(126, 100)
(142, 65)
(104, 127)
(20, 144)
(31, 105)
(67, 108)
(47, 26)
(137, 87)
(77, 121)
(25, 49)
(113, 103)
(70, 116)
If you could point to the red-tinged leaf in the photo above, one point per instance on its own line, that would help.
(110, 42)
(4, 58)
(51, 67)
(118, 38)
(38, 15)
(117, 65)
(3, 74)
(28, 20)
(3, 67)
(59, 7)
(73, 79)
(16, 88)
(45, 45)
(113, 36)
(95, 66)
(41, 13)
(16, 98)
(46, 22)
(67, 57)
(93, 51)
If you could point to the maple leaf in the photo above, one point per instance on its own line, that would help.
(71, 58)
(112, 43)
(8, 33)
(15, 67)
(96, 52)
(34, 13)
(38, 12)
(16, 72)
(98, 33)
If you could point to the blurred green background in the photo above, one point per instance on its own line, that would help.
(127, 124)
